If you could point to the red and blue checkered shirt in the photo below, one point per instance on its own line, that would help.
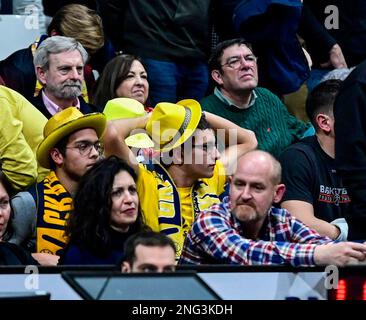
(217, 237)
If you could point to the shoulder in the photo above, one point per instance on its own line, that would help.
(216, 213)
(299, 150)
(147, 171)
(280, 214)
(88, 107)
(22, 200)
(265, 93)
(147, 179)
(12, 254)
(209, 102)
(20, 56)
(266, 97)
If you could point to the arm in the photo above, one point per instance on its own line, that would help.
(17, 160)
(116, 133)
(25, 217)
(299, 174)
(237, 140)
(212, 234)
(340, 254)
(327, 252)
(336, 58)
(46, 259)
(304, 212)
(317, 38)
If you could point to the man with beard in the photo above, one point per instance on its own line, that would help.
(70, 147)
(246, 229)
(74, 21)
(59, 65)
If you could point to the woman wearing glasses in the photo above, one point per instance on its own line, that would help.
(106, 213)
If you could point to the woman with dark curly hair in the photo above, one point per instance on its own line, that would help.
(106, 212)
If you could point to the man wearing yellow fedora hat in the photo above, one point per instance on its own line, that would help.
(70, 147)
(192, 174)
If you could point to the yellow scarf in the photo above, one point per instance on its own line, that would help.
(53, 210)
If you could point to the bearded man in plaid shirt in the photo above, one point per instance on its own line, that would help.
(246, 229)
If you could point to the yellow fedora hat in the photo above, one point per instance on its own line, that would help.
(64, 123)
(125, 108)
(170, 124)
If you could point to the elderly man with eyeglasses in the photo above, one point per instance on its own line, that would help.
(71, 146)
(237, 97)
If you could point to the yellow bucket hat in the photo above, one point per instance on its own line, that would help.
(64, 123)
(125, 108)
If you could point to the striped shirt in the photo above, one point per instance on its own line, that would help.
(217, 237)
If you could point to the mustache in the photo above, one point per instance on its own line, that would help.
(246, 203)
(72, 83)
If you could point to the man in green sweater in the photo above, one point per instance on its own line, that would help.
(233, 67)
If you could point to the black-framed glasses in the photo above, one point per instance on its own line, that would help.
(235, 62)
(85, 147)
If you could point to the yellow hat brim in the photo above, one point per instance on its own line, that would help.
(139, 140)
(96, 121)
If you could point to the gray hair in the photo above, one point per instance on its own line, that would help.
(56, 44)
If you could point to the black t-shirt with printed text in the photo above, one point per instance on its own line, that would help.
(310, 176)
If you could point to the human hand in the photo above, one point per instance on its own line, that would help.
(339, 254)
(46, 259)
(336, 58)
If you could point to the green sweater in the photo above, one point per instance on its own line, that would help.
(274, 126)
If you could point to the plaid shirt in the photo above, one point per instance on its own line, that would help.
(217, 237)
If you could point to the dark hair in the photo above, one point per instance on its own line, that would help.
(8, 188)
(322, 98)
(60, 146)
(114, 73)
(89, 224)
(214, 63)
(203, 124)
(148, 239)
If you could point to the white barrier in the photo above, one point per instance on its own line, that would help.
(17, 32)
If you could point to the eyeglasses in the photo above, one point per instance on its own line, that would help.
(85, 147)
(235, 62)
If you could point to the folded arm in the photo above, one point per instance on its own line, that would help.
(237, 140)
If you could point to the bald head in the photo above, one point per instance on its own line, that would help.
(259, 160)
(254, 187)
